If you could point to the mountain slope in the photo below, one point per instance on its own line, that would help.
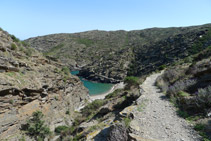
(188, 85)
(110, 56)
(30, 82)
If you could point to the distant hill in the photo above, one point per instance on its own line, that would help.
(108, 56)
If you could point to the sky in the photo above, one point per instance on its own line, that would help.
(30, 18)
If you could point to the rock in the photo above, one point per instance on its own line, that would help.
(105, 109)
(134, 137)
(28, 84)
(127, 112)
(134, 126)
(117, 133)
(6, 68)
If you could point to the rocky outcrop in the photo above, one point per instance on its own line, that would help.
(31, 82)
(118, 133)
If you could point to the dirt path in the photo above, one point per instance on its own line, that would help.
(156, 116)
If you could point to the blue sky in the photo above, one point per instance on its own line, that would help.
(29, 18)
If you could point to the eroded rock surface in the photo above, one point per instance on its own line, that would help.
(30, 82)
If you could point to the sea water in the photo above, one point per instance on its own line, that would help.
(94, 88)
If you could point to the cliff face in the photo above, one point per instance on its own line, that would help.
(30, 82)
(110, 56)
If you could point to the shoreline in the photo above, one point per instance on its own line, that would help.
(102, 96)
(120, 85)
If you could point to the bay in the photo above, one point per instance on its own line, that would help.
(94, 88)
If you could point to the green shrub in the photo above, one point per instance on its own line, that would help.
(183, 114)
(86, 42)
(11, 101)
(36, 128)
(24, 43)
(1, 29)
(127, 122)
(199, 127)
(21, 48)
(131, 81)
(162, 67)
(22, 138)
(114, 94)
(61, 129)
(193, 118)
(204, 97)
(67, 112)
(15, 39)
(53, 51)
(13, 46)
(200, 44)
(92, 107)
(29, 51)
(66, 70)
(183, 94)
(188, 59)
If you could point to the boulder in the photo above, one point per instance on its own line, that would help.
(118, 133)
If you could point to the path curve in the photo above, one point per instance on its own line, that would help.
(156, 116)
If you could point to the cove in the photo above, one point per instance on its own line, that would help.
(94, 88)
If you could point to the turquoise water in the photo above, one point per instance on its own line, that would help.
(94, 87)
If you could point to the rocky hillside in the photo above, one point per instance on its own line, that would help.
(110, 56)
(188, 85)
(31, 82)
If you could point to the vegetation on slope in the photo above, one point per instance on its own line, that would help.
(101, 114)
(109, 56)
(36, 127)
(188, 85)
(30, 82)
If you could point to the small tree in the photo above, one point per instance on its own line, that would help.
(35, 126)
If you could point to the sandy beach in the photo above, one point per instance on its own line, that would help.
(120, 85)
(102, 96)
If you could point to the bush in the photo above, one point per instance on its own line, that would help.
(35, 126)
(61, 129)
(203, 131)
(131, 81)
(163, 85)
(162, 67)
(199, 127)
(183, 94)
(183, 114)
(204, 97)
(86, 42)
(201, 43)
(15, 39)
(29, 51)
(67, 112)
(180, 86)
(188, 60)
(92, 107)
(114, 94)
(66, 70)
(13, 46)
(24, 43)
(127, 122)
